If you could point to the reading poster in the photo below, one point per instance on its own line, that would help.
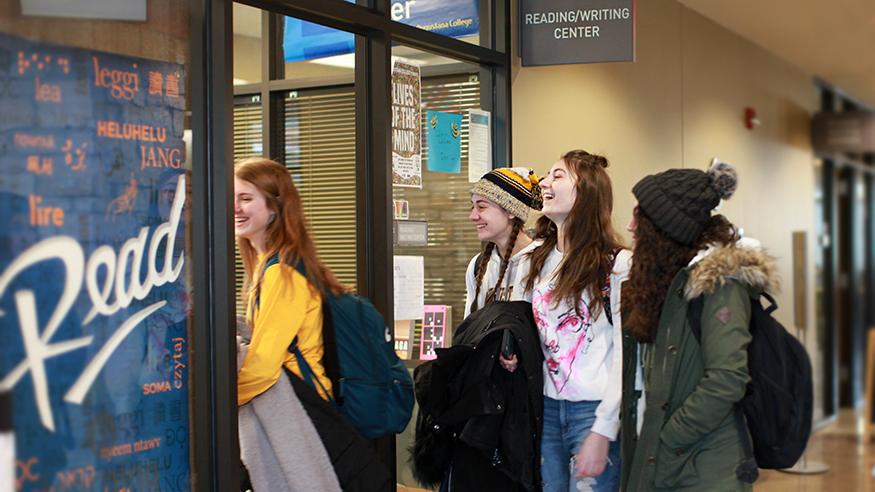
(94, 292)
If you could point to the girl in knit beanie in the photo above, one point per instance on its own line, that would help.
(500, 205)
(682, 434)
(496, 452)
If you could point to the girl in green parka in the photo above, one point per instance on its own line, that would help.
(678, 426)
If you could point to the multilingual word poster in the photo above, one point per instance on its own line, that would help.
(94, 291)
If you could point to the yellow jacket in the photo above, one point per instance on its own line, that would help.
(285, 310)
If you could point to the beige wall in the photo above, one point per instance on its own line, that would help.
(680, 104)
(247, 58)
(163, 36)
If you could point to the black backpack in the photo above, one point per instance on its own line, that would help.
(778, 404)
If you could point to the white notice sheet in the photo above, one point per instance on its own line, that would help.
(479, 144)
(409, 287)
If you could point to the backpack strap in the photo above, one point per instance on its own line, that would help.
(774, 303)
(330, 360)
(306, 371)
(694, 315)
(273, 260)
(329, 353)
(747, 470)
(606, 288)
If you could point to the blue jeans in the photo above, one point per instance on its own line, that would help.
(566, 425)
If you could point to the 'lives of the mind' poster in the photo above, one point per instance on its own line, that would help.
(94, 296)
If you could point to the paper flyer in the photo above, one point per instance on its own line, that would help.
(406, 125)
(409, 279)
(434, 330)
(479, 144)
(444, 141)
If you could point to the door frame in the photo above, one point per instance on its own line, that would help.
(214, 408)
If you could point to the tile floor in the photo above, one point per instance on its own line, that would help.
(839, 445)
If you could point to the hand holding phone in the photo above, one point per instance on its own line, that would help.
(507, 345)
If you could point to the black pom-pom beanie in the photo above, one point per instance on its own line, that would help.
(679, 201)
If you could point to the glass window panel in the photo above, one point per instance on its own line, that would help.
(319, 136)
(315, 128)
(437, 197)
(315, 55)
(247, 143)
(247, 44)
(459, 19)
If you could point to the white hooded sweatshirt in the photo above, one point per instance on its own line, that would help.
(513, 285)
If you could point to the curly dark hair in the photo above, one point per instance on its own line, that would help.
(655, 262)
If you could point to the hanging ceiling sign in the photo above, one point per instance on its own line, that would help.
(559, 32)
(130, 10)
(304, 40)
(849, 131)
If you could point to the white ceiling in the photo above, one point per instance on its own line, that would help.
(833, 40)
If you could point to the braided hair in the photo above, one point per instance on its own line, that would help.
(483, 262)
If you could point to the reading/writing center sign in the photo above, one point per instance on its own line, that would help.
(557, 32)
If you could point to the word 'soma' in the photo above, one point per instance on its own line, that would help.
(117, 292)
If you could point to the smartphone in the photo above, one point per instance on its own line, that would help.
(507, 348)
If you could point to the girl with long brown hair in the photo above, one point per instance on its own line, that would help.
(575, 281)
(682, 434)
(283, 305)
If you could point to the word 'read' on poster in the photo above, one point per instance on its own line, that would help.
(479, 144)
(406, 125)
(94, 284)
(444, 141)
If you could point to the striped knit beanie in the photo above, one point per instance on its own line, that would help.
(514, 189)
(679, 201)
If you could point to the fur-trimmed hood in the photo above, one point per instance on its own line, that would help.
(744, 262)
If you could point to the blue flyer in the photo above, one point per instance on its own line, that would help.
(444, 152)
(94, 289)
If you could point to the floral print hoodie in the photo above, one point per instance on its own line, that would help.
(582, 354)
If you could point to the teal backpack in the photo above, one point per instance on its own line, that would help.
(371, 385)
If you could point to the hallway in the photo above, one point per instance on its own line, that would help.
(840, 446)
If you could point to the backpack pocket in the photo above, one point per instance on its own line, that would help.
(770, 427)
(399, 404)
(377, 409)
